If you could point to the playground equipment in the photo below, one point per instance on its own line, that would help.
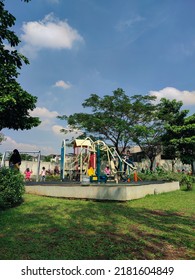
(38, 159)
(86, 162)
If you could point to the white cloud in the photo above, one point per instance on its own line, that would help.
(10, 144)
(68, 133)
(49, 33)
(47, 117)
(62, 84)
(187, 97)
(43, 112)
(56, 129)
(47, 135)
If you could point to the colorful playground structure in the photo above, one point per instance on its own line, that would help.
(86, 164)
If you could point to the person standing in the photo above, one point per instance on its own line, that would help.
(15, 160)
(43, 174)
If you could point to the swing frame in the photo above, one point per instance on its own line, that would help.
(4, 158)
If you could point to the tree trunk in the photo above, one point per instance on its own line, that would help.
(193, 167)
(173, 165)
(151, 164)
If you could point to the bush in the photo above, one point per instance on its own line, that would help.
(161, 175)
(187, 181)
(11, 188)
(53, 178)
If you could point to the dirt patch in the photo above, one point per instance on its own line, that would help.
(172, 253)
(52, 230)
(141, 245)
(165, 213)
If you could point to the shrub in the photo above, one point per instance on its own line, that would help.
(161, 175)
(184, 179)
(11, 188)
(187, 181)
(53, 178)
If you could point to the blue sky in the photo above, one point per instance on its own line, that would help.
(80, 47)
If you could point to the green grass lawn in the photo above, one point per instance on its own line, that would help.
(155, 227)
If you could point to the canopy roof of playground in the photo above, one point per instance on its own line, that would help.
(82, 143)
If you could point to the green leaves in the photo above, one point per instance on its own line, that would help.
(115, 118)
(125, 120)
(182, 136)
(15, 102)
(11, 188)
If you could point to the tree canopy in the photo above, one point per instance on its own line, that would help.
(183, 138)
(15, 103)
(112, 117)
(132, 120)
(172, 115)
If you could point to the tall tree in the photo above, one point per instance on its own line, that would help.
(148, 137)
(183, 137)
(126, 121)
(170, 112)
(15, 103)
(113, 117)
(153, 136)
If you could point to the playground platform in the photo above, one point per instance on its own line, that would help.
(108, 191)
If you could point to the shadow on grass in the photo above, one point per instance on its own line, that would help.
(62, 229)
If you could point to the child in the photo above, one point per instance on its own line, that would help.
(107, 170)
(27, 173)
(43, 174)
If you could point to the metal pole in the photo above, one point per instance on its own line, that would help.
(3, 160)
(63, 155)
(81, 165)
(98, 162)
(38, 165)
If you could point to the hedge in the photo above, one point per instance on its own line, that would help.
(11, 188)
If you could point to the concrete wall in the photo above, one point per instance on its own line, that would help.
(166, 164)
(33, 165)
(103, 192)
(155, 188)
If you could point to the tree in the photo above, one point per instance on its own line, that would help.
(152, 135)
(125, 120)
(169, 111)
(15, 103)
(147, 131)
(48, 158)
(183, 137)
(26, 157)
(113, 117)
(2, 138)
(148, 137)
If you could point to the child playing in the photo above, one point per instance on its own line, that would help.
(107, 170)
(43, 174)
(27, 173)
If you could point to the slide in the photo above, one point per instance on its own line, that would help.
(131, 165)
(113, 167)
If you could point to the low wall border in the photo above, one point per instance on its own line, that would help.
(102, 192)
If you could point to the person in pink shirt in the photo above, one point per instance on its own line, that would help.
(27, 173)
(107, 170)
(43, 174)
